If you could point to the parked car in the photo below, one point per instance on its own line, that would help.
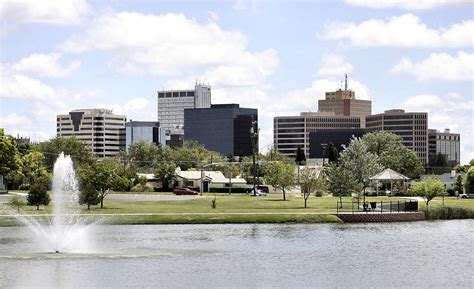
(260, 191)
(184, 191)
(466, 196)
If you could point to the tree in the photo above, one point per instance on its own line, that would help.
(333, 154)
(429, 188)
(469, 181)
(340, 181)
(300, 158)
(33, 167)
(194, 155)
(362, 163)
(392, 153)
(80, 153)
(165, 172)
(458, 184)
(38, 194)
(310, 181)
(100, 177)
(280, 175)
(143, 155)
(88, 196)
(10, 159)
(16, 201)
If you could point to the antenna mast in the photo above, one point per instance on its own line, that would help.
(345, 86)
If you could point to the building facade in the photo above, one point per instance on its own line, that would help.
(148, 131)
(445, 143)
(291, 132)
(172, 103)
(224, 128)
(99, 129)
(320, 140)
(412, 127)
(344, 102)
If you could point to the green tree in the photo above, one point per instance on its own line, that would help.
(88, 195)
(38, 194)
(471, 163)
(143, 155)
(10, 159)
(362, 163)
(392, 153)
(458, 184)
(16, 201)
(469, 181)
(80, 153)
(429, 188)
(340, 181)
(33, 167)
(100, 177)
(194, 155)
(310, 181)
(280, 175)
(165, 172)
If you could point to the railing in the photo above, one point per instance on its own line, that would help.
(377, 207)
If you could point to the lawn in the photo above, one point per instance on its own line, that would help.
(230, 209)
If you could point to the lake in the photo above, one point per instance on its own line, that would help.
(419, 254)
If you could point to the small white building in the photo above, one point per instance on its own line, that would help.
(210, 179)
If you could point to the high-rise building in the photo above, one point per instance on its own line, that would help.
(446, 143)
(291, 132)
(172, 103)
(343, 102)
(148, 131)
(100, 129)
(224, 128)
(412, 127)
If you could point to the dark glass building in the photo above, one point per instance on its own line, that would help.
(224, 128)
(320, 140)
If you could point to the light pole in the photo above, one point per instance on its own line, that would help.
(254, 138)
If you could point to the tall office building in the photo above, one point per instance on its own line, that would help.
(172, 103)
(412, 127)
(291, 132)
(100, 129)
(446, 143)
(148, 131)
(343, 102)
(224, 128)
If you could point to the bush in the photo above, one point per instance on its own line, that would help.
(142, 188)
(214, 202)
(448, 213)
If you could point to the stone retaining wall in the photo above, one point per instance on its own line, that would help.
(380, 217)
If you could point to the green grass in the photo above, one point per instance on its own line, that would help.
(230, 209)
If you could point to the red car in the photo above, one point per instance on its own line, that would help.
(184, 191)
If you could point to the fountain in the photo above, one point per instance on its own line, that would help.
(64, 231)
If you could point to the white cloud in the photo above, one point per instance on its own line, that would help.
(406, 4)
(334, 65)
(172, 45)
(138, 108)
(14, 13)
(439, 66)
(400, 31)
(46, 65)
(448, 111)
(23, 87)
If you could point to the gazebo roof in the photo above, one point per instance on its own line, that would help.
(389, 174)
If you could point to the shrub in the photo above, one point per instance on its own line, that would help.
(448, 213)
(142, 188)
(214, 202)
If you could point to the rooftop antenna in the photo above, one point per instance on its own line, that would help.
(345, 85)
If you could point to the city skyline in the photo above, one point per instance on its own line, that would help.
(278, 57)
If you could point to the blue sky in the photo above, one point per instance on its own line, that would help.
(277, 56)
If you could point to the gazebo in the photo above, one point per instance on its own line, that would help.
(388, 175)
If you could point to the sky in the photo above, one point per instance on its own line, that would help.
(277, 56)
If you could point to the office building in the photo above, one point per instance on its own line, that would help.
(321, 139)
(343, 102)
(445, 143)
(224, 128)
(412, 127)
(135, 131)
(100, 129)
(172, 103)
(291, 132)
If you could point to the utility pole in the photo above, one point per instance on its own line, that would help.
(253, 135)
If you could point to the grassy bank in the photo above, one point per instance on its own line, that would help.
(230, 209)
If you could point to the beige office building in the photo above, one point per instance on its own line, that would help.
(291, 132)
(412, 127)
(100, 129)
(344, 102)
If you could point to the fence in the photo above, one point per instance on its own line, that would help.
(377, 207)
